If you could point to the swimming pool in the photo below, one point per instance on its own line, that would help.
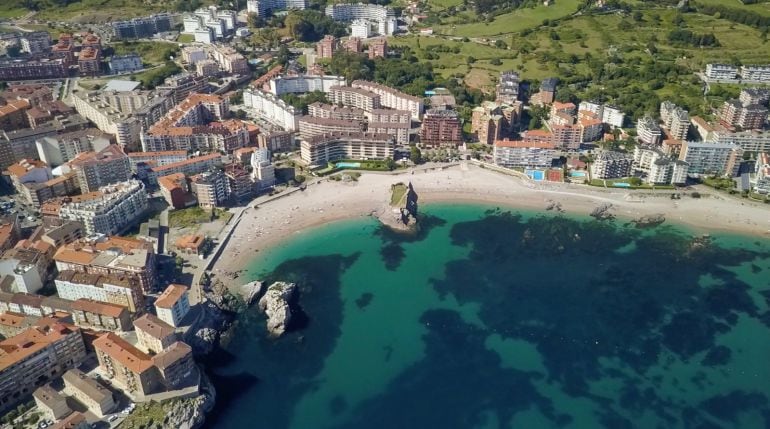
(537, 175)
(348, 165)
(577, 174)
(621, 185)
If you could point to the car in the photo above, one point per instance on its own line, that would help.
(112, 418)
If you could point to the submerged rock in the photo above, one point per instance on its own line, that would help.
(275, 304)
(250, 291)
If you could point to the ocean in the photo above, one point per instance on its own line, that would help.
(498, 318)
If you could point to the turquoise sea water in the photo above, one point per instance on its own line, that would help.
(495, 319)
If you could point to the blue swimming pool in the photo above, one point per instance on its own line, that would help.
(348, 164)
(537, 175)
(621, 185)
(577, 174)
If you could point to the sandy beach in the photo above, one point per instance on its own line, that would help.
(327, 201)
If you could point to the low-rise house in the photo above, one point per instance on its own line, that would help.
(51, 403)
(191, 244)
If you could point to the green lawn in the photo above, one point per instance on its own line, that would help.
(762, 8)
(185, 38)
(192, 216)
(151, 52)
(397, 193)
(512, 22)
(10, 13)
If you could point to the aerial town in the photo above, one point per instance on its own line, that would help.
(122, 177)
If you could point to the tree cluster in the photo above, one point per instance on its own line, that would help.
(687, 37)
(312, 26)
(740, 16)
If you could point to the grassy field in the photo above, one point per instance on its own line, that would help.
(11, 13)
(185, 38)
(192, 216)
(151, 52)
(760, 8)
(397, 193)
(508, 23)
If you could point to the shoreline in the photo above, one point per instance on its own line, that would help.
(329, 201)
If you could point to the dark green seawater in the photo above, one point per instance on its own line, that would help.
(496, 319)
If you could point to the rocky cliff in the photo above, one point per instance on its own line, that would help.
(275, 304)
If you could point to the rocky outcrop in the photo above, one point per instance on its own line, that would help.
(275, 304)
(205, 332)
(250, 291)
(648, 221)
(191, 413)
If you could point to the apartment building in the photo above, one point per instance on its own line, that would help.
(122, 114)
(129, 367)
(182, 85)
(198, 123)
(15, 69)
(272, 109)
(441, 128)
(392, 98)
(128, 63)
(137, 262)
(33, 305)
(240, 187)
(210, 189)
(139, 28)
(57, 149)
(746, 117)
(648, 132)
(153, 334)
(378, 48)
(276, 141)
(35, 42)
(175, 190)
(265, 7)
(13, 114)
(707, 158)
(51, 403)
(755, 73)
(320, 150)
(97, 398)
(118, 288)
(353, 44)
(749, 141)
(397, 123)
(38, 354)
(156, 158)
(676, 120)
(187, 167)
(326, 47)
(658, 168)
(354, 97)
(90, 61)
(280, 85)
(176, 365)
(230, 60)
(521, 154)
(331, 111)
(310, 126)
(611, 165)
(749, 96)
(173, 304)
(383, 16)
(591, 128)
(96, 169)
(263, 171)
(721, 71)
(507, 90)
(99, 315)
(568, 137)
(761, 177)
(116, 207)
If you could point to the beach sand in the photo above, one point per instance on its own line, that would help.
(327, 201)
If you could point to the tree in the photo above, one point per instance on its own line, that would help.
(415, 155)
(390, 163)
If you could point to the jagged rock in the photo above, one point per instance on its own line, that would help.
(190, 413)
(275, 304)
(603, 212)
(250, 291)
(649, 220)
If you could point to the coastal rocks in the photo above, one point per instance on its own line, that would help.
(205, 332)
(190, 413)
(401, 214)
(649, 221)
(603, 212)
(275, 304)
(250, 291)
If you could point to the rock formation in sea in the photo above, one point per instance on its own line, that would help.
(401, 214)
(275, 304)
(250, 291)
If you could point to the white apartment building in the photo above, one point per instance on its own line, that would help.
(263, 171)
(304, 83)
(320, 150)
(384, 16)
(173, 304)
(658, 167)
(331, 111)
(354, 97)
(761, 179)
(310, 126)
(676, 119)
(117, 207)
(609, 115)
(272, 109)
(58, 149)
(749, 141)
(722, 159)
(611, 165)
(755, 73)
(648, 132)
(210, 188)
(193, 54)
(721, 71)
(392, 98)
(188, 167)
(114, 289)
(264, 7)
(360, 28)
(521, 154)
